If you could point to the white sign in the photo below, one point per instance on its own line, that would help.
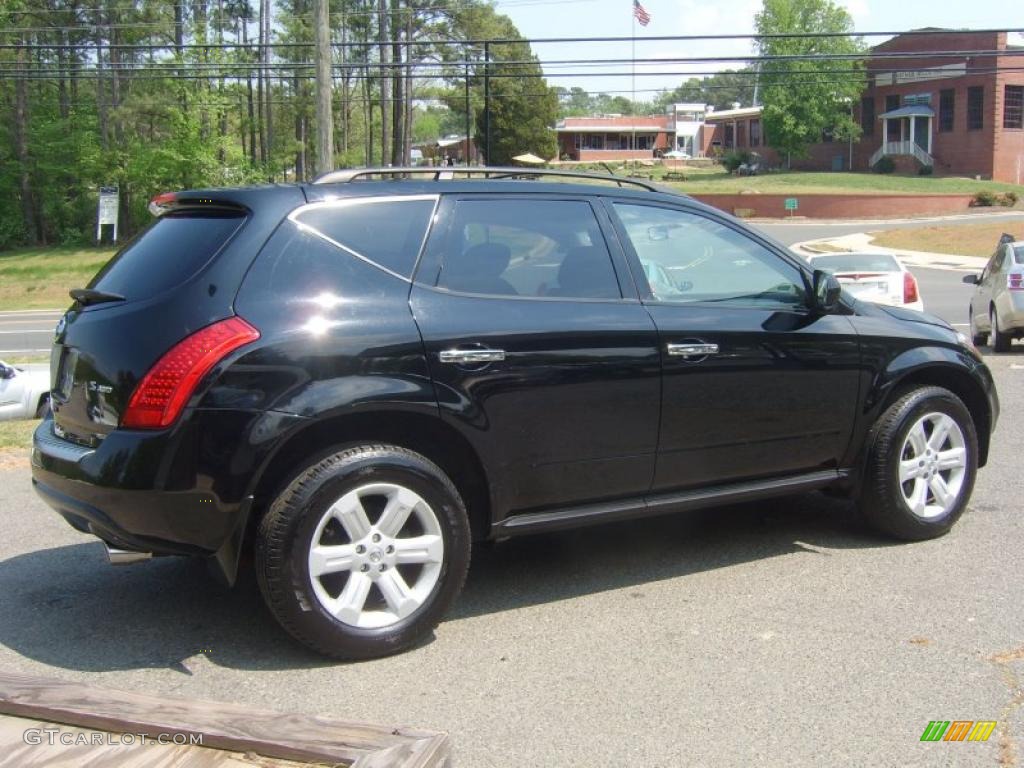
(107, 214)
(918, 75)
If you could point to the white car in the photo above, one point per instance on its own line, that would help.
(24, 391)
(877, 277)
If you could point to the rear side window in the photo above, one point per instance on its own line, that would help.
(387, 232)
(167, 254)
(530, 248)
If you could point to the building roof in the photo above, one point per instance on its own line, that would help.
(613, 123)
(913, 110)
(730, 114)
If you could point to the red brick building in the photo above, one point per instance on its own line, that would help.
(961, 115)
(613, 137)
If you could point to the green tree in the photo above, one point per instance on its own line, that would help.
(523, 108)
(720, 90)
(805, 98)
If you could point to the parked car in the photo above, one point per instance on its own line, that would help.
(356, 378)
(997, 306)
(877, 277)
(24, 391)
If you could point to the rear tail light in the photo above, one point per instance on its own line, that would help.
(163, 392)
(1015, 281)
(909, 288)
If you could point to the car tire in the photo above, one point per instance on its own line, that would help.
(977, 338)
(1000, 340)
(921, 466)
(359, 586)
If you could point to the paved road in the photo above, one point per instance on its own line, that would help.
(774, 634)
(810, 229)
(30, 331)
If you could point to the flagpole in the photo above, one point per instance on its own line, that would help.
(632, 16)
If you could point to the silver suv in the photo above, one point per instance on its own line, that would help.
(997, 306)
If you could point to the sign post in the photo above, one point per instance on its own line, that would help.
(107, 212)
(791, 204)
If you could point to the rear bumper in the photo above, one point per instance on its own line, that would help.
(183, 491)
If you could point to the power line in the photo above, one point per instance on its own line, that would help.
(497, 41)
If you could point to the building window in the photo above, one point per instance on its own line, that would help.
(975, 107)
(892, 102)
(947, 102)
(755, 133)
(730, 140)
(867, 115)
(917, 98)
(1013, 106)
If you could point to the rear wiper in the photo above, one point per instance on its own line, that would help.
(87, 296)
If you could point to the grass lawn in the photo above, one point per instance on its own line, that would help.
(16, 436)
(40, 278)
(966, 239)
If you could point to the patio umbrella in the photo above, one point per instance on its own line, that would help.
(529, 159)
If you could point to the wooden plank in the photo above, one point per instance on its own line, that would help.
(223, 726)
(96, 749)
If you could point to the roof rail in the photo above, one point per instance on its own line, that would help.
(448, 172)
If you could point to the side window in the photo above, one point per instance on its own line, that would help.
(688, 258)
(527, 248)
(387, 232)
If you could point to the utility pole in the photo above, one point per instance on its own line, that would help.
(324, 116)
(487, 103)
(469, 136)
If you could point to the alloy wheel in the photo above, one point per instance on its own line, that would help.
(933, 465)
(376, 555)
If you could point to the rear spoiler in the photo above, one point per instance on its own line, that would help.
(166, 202)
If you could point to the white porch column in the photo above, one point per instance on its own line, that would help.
(912, 121)
(930, 128)
(885, 134)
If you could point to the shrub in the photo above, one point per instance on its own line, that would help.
(1009, 199)
(925, 170)
(984, 199)
(885, 165)
(733, 160)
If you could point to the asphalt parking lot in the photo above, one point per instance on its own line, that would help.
(767, 634)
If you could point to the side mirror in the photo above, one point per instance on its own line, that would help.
(6, 372)
(972, 279)
(826, 289)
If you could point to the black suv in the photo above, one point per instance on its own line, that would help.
(359, 377)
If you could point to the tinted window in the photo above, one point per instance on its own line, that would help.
(527, 248)
(686, 257)
(173, 249)
(387, 232)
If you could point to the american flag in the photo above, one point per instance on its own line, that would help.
(641, 13)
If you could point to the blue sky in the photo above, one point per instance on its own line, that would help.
(598, 18)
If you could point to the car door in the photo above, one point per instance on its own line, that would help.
(755, 384)
(541, 353)
(983, 293)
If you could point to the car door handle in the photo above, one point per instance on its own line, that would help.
(471, 355)
(692, 350)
